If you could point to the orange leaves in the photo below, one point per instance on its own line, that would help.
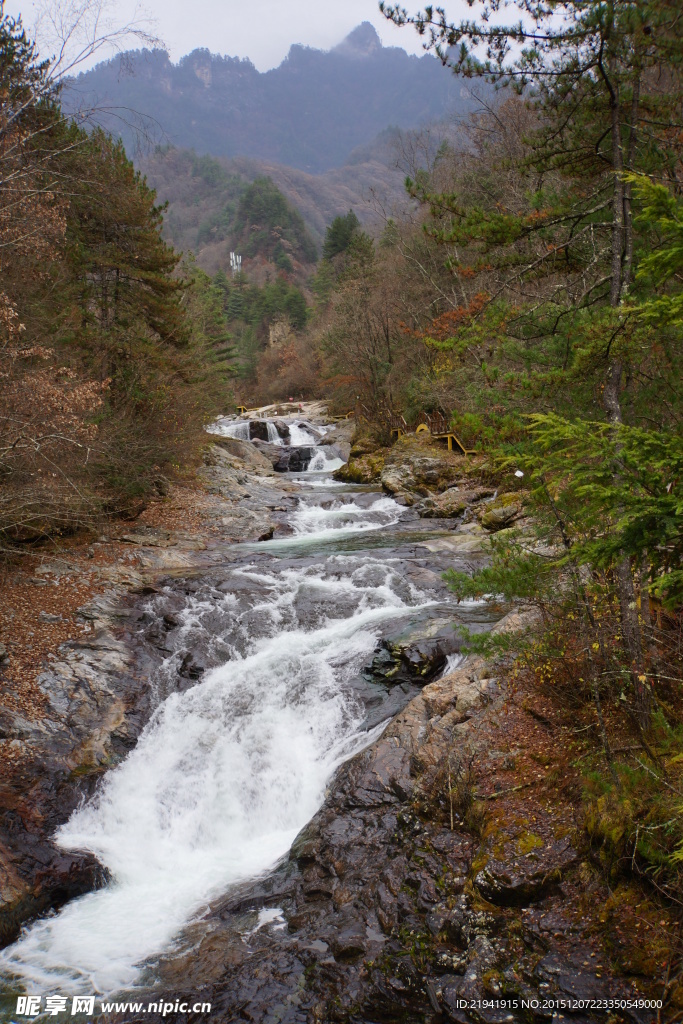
(446, 325)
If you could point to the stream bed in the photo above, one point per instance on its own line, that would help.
(267, 679)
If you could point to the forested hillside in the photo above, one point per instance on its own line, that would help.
(202, 193)
(112, 354)
(308, 113)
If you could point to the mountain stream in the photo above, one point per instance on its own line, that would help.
(237, 756)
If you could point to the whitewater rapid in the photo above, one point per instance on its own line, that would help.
(226, 773)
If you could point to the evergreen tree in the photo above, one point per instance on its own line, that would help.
(339, 235)
(591, 75)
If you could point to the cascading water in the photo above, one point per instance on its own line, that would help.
(302, 433)
(324, 461)
(240, 429)
(227, 772)
(343, 518)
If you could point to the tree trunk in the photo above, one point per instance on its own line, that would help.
(627, 268)
(620, 267)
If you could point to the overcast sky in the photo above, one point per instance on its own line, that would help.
(262, 30)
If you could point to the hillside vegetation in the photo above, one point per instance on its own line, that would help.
(112, 356)
(202, 194)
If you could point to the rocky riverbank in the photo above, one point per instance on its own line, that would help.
(65, 722)
(447, 862)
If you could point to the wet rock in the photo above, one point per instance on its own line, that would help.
(294, 460)
(283, 429)
(415, 662)
(350, 940)
(258, 430)
(524, 868)
(246, 452)
(501, 512)
(561, 974)
(414, 656)
(286, 458)
(196, 662)
(94, 706)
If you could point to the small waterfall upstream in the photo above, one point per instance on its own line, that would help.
(301, 434)
(240, 430)
(227, 772)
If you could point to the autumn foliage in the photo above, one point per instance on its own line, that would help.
(105, 379)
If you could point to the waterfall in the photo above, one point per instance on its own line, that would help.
(303, 433)
(324, 461)
(273, 436)
(227, 772)
(239, 429)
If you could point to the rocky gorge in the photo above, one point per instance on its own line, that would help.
(276, 783)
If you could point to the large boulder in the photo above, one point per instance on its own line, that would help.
(362, 469)
(452, 502)
(273, 452)
(286, 458)
(294, 460)
(417, 466)
(415, 655)
(283, 429)
(258, 430)
(246, 451)
(501, 512)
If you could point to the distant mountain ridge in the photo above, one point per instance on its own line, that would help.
(308, 113)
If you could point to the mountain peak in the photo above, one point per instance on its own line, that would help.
(363, 41)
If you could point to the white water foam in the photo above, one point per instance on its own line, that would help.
(324, 461)
(303, 433)
(453, 661)
(223, 777)
(324, 483)
(239, 429)
(341, 519)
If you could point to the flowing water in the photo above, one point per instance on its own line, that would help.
(234, 763)
(300, 433)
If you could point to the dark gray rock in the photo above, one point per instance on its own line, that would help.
(524, 870)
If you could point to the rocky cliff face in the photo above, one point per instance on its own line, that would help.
(308, 113)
